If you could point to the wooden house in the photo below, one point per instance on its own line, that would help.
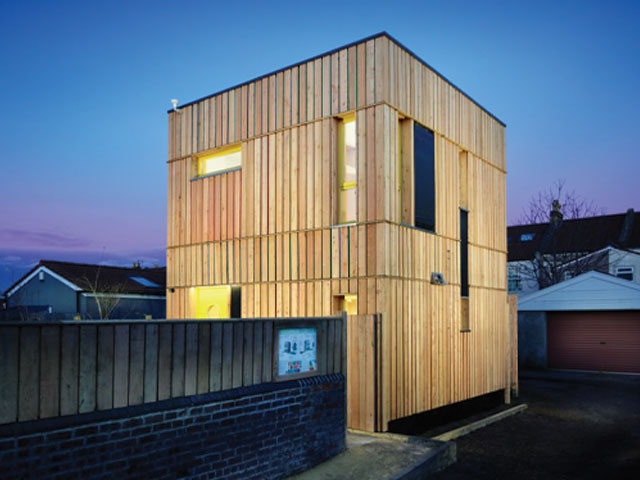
(359, 180)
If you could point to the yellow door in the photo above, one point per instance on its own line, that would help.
(212, 302)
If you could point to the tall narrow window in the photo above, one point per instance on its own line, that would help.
(220, 161)
(348, 171)
(464, 254)
(424, 178)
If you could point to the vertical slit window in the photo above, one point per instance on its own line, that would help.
(348, 171)
(464, 253)
(424, 178)
(399, 169)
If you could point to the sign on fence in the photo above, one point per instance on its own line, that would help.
(297, 351)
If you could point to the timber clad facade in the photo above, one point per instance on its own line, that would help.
(274, 229)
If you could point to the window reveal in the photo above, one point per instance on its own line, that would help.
(424, 178)
(348, 171)
(220, 162)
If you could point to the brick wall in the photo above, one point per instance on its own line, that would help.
(264, 431)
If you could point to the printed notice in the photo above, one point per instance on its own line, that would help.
(297, 351)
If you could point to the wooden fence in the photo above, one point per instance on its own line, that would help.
(363, 360)
(54, 369)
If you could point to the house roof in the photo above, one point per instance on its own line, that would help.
(589, 291)
(101, 278)
(330, 52)
(584, 235)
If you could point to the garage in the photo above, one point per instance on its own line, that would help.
(602, 341)
(590, 322)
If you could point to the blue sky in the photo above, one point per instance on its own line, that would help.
(86, 86)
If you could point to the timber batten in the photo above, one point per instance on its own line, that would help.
(271, 227)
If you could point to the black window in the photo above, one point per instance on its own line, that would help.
(464, 254)
(424, 179)
(235, 310)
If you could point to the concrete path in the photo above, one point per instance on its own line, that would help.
(384, 457)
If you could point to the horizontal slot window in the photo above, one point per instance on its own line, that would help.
(220, 162)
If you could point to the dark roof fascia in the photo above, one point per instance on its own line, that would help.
(410, 52)
(331, 52)
(297, 64)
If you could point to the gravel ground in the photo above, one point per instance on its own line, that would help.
(578, 426)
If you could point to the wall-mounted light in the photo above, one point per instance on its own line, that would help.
(174, 102)
(171, 290)
(41, 276)
(437, 279)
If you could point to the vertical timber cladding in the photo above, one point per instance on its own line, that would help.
(270, 227)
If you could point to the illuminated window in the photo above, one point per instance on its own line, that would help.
(347, 303)
(348, 174)
(216, 302)
(220, 162)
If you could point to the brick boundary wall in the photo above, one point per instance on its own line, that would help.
(266, 431)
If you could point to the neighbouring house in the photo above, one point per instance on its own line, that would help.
(586, 316)
(55, 290)
(590, 322)
(360, 180)
(544, 254)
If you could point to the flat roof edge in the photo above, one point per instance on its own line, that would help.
(332, 51)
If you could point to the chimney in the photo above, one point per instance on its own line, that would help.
(625, 233)
(555, 215)
(555, 222)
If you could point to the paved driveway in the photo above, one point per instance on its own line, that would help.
(578, 425)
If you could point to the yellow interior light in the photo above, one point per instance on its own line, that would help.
(351, 304)
(347, 169)
(220, 161)
(211, 302)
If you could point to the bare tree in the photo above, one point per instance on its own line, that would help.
(106, 296)
(563, 251)
(573, 206)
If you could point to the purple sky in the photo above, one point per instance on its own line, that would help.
(86, 86)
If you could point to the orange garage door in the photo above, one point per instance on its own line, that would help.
(603, 341)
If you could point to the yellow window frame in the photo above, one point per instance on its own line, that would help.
(342, 185)
(202, 161)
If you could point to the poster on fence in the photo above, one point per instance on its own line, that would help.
(297, 351)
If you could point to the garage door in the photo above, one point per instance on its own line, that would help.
(603, 341)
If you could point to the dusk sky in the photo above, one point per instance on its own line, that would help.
(86, 87)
